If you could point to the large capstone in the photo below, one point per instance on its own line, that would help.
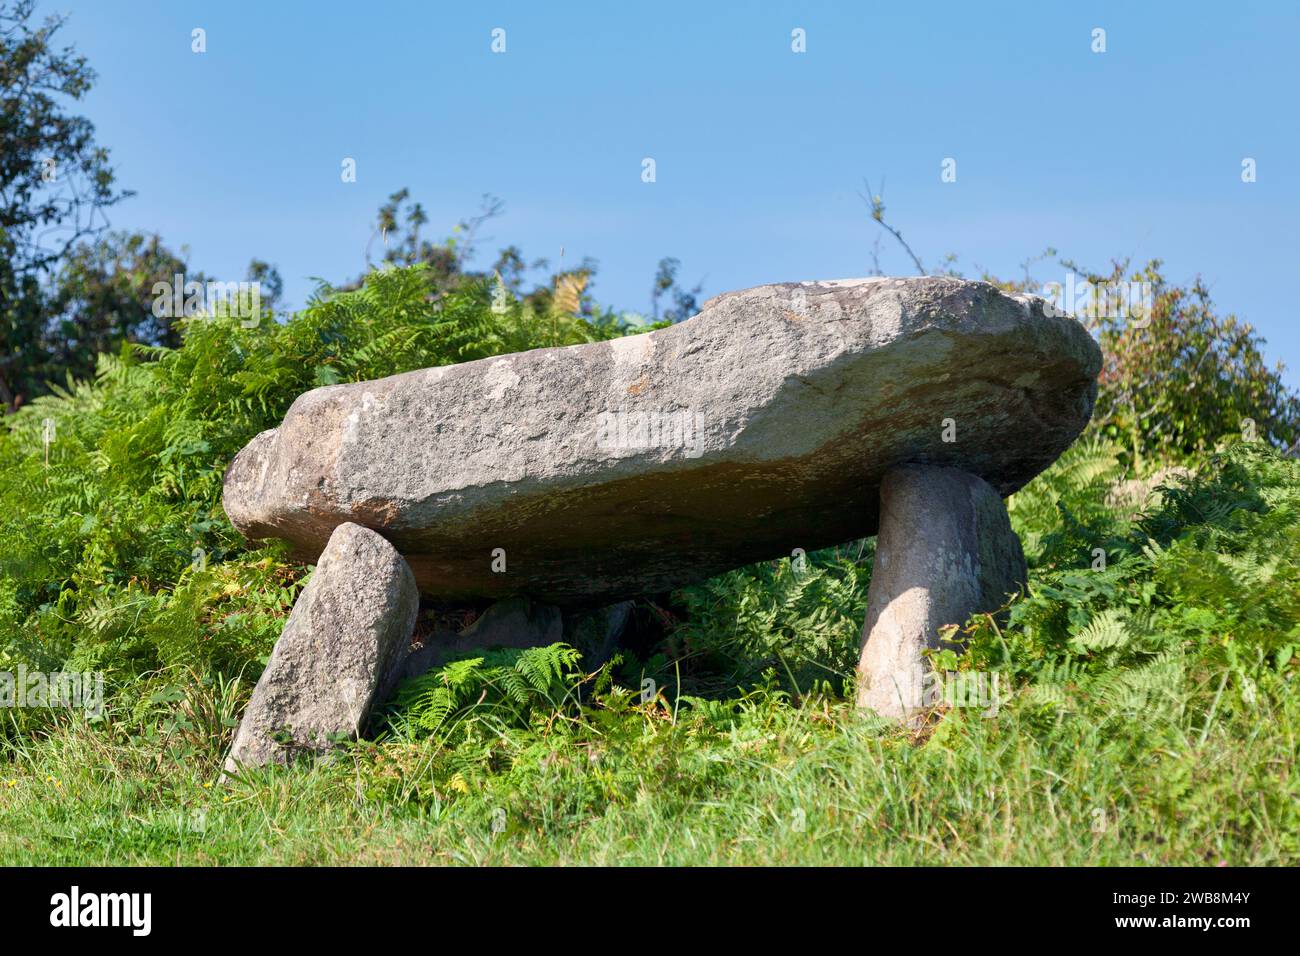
(593, 473)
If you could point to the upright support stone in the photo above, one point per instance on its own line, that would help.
(339, 654)
(945, 550)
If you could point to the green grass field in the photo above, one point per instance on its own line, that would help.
(772, 784)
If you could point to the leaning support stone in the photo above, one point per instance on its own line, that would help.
(945, 551)
(340, 653)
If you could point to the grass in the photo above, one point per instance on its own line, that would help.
(764, 783)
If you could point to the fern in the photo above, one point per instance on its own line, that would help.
(1104, 632)
(132, 488)
(501, 689)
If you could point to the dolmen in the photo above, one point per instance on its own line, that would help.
(783, 417)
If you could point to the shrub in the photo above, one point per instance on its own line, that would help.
(115, 552)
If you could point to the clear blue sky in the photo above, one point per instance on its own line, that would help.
(760, 152)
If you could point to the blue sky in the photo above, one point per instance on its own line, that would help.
(760, 152)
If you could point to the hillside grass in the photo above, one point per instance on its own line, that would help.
(780, 785)
(1147, 706)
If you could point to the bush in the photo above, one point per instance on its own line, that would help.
(1182, 378)
(115, 552)
(1197, 600)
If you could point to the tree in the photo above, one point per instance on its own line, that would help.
(270, 285)
(102, 296)
(1184, 377)
(683, 301)
(55, 184)
(565, 294)
(398, 227)
(511, 267)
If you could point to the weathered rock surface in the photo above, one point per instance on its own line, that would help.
(604, 471)
(340, 652)
(945, 551)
